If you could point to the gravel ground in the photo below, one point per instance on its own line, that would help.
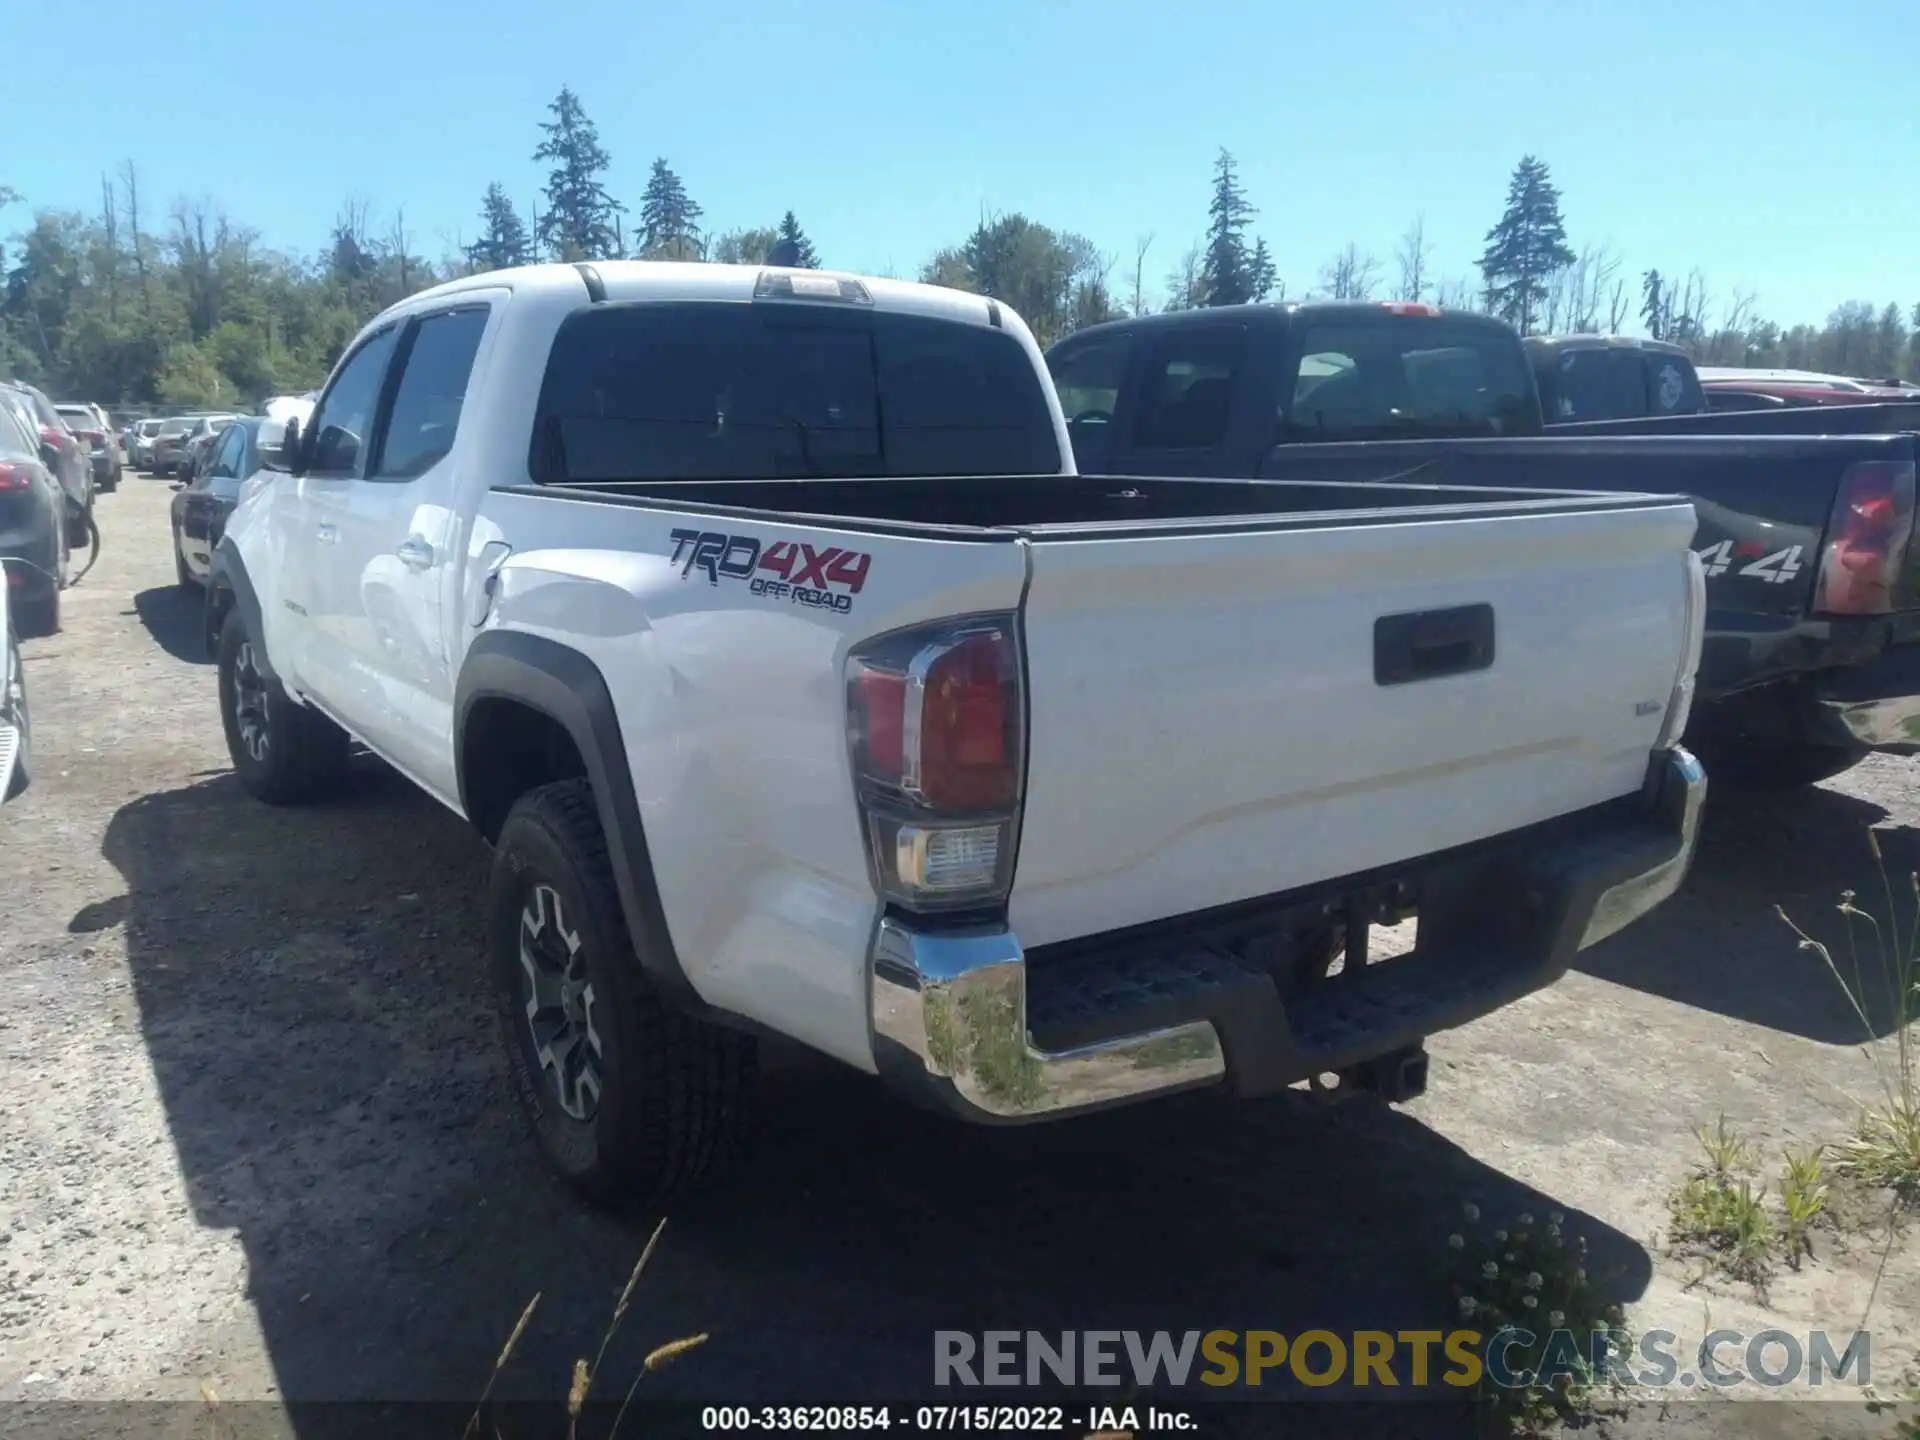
(255, 1135)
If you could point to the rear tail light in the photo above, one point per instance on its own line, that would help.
(937, 730)
(1680, 702)
(14, 477)
(1867, 538)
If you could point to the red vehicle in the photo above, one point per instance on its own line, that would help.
(1737, 389)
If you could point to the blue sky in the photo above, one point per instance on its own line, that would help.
(1769, 144)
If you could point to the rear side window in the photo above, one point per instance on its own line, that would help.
(1407, 376)
(710, 391)
(1672, 387)
(1186, 390)
(433, 387)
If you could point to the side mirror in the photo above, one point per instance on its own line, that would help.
(284, 457)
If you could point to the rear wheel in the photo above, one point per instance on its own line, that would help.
(633, 1102)
(283, 752)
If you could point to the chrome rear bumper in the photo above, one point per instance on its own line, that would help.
(951, 1009)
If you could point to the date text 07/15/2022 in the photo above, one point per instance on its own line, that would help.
(946, 1419)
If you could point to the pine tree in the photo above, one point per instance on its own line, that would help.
(1526, 247)
(801, 256)
(579, 220)
(1655, 305)
(504, 241)
(669, 220)
(1227, 273)
(1261, 271)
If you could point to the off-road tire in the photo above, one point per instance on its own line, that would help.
(672, 1107)
(305, 754)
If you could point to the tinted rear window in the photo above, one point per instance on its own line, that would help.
(15, 441)
(733, 391)
(1407, 376)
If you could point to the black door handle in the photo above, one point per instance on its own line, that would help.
(1429, 644)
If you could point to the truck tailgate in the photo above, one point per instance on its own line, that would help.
(1221, 716)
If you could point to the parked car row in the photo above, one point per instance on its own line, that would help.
(201, 505)
(65, 453)
(35, 506)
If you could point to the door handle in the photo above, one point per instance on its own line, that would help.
(329, 534)
(415, 553)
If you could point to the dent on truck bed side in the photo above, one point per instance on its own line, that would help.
(561, 683)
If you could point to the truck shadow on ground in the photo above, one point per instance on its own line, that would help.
(174, 617)
(1799, 850)
(312, 997)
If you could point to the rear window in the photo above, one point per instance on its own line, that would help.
(1622, 383)
(1407, 376)
(732, 391)
(177, 427)
(15, 442)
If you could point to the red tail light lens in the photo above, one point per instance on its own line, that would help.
(936, 720)
(14, 477)
(1867, 538)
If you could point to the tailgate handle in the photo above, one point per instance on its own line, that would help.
(1427, 644)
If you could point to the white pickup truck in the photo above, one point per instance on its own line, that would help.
(758, 620)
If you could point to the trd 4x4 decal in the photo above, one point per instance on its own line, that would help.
(824, 577)
(1776, 568)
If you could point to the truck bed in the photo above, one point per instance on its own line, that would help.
(1235, 689)
(1064, 504)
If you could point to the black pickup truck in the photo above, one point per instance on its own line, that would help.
(1812, 655)
(1623, 385)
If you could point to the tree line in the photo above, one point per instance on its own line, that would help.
(190, 308)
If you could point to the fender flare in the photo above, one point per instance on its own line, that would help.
(228, 578)
(565, 686)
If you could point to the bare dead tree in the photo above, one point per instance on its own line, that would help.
(1455, 294)
(1412, 255)
(110, 230)
(1140, 248)
(1729, 343)
(401, 243)
(130, 183)
(1184, 284)
(1349, 275)
(1691, 308)
(1619, 307)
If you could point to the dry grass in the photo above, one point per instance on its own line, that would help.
(1884, 1148)
(584, 1375)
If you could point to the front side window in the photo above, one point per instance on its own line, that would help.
(343, 421)
(728, 391)
(433, 385)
